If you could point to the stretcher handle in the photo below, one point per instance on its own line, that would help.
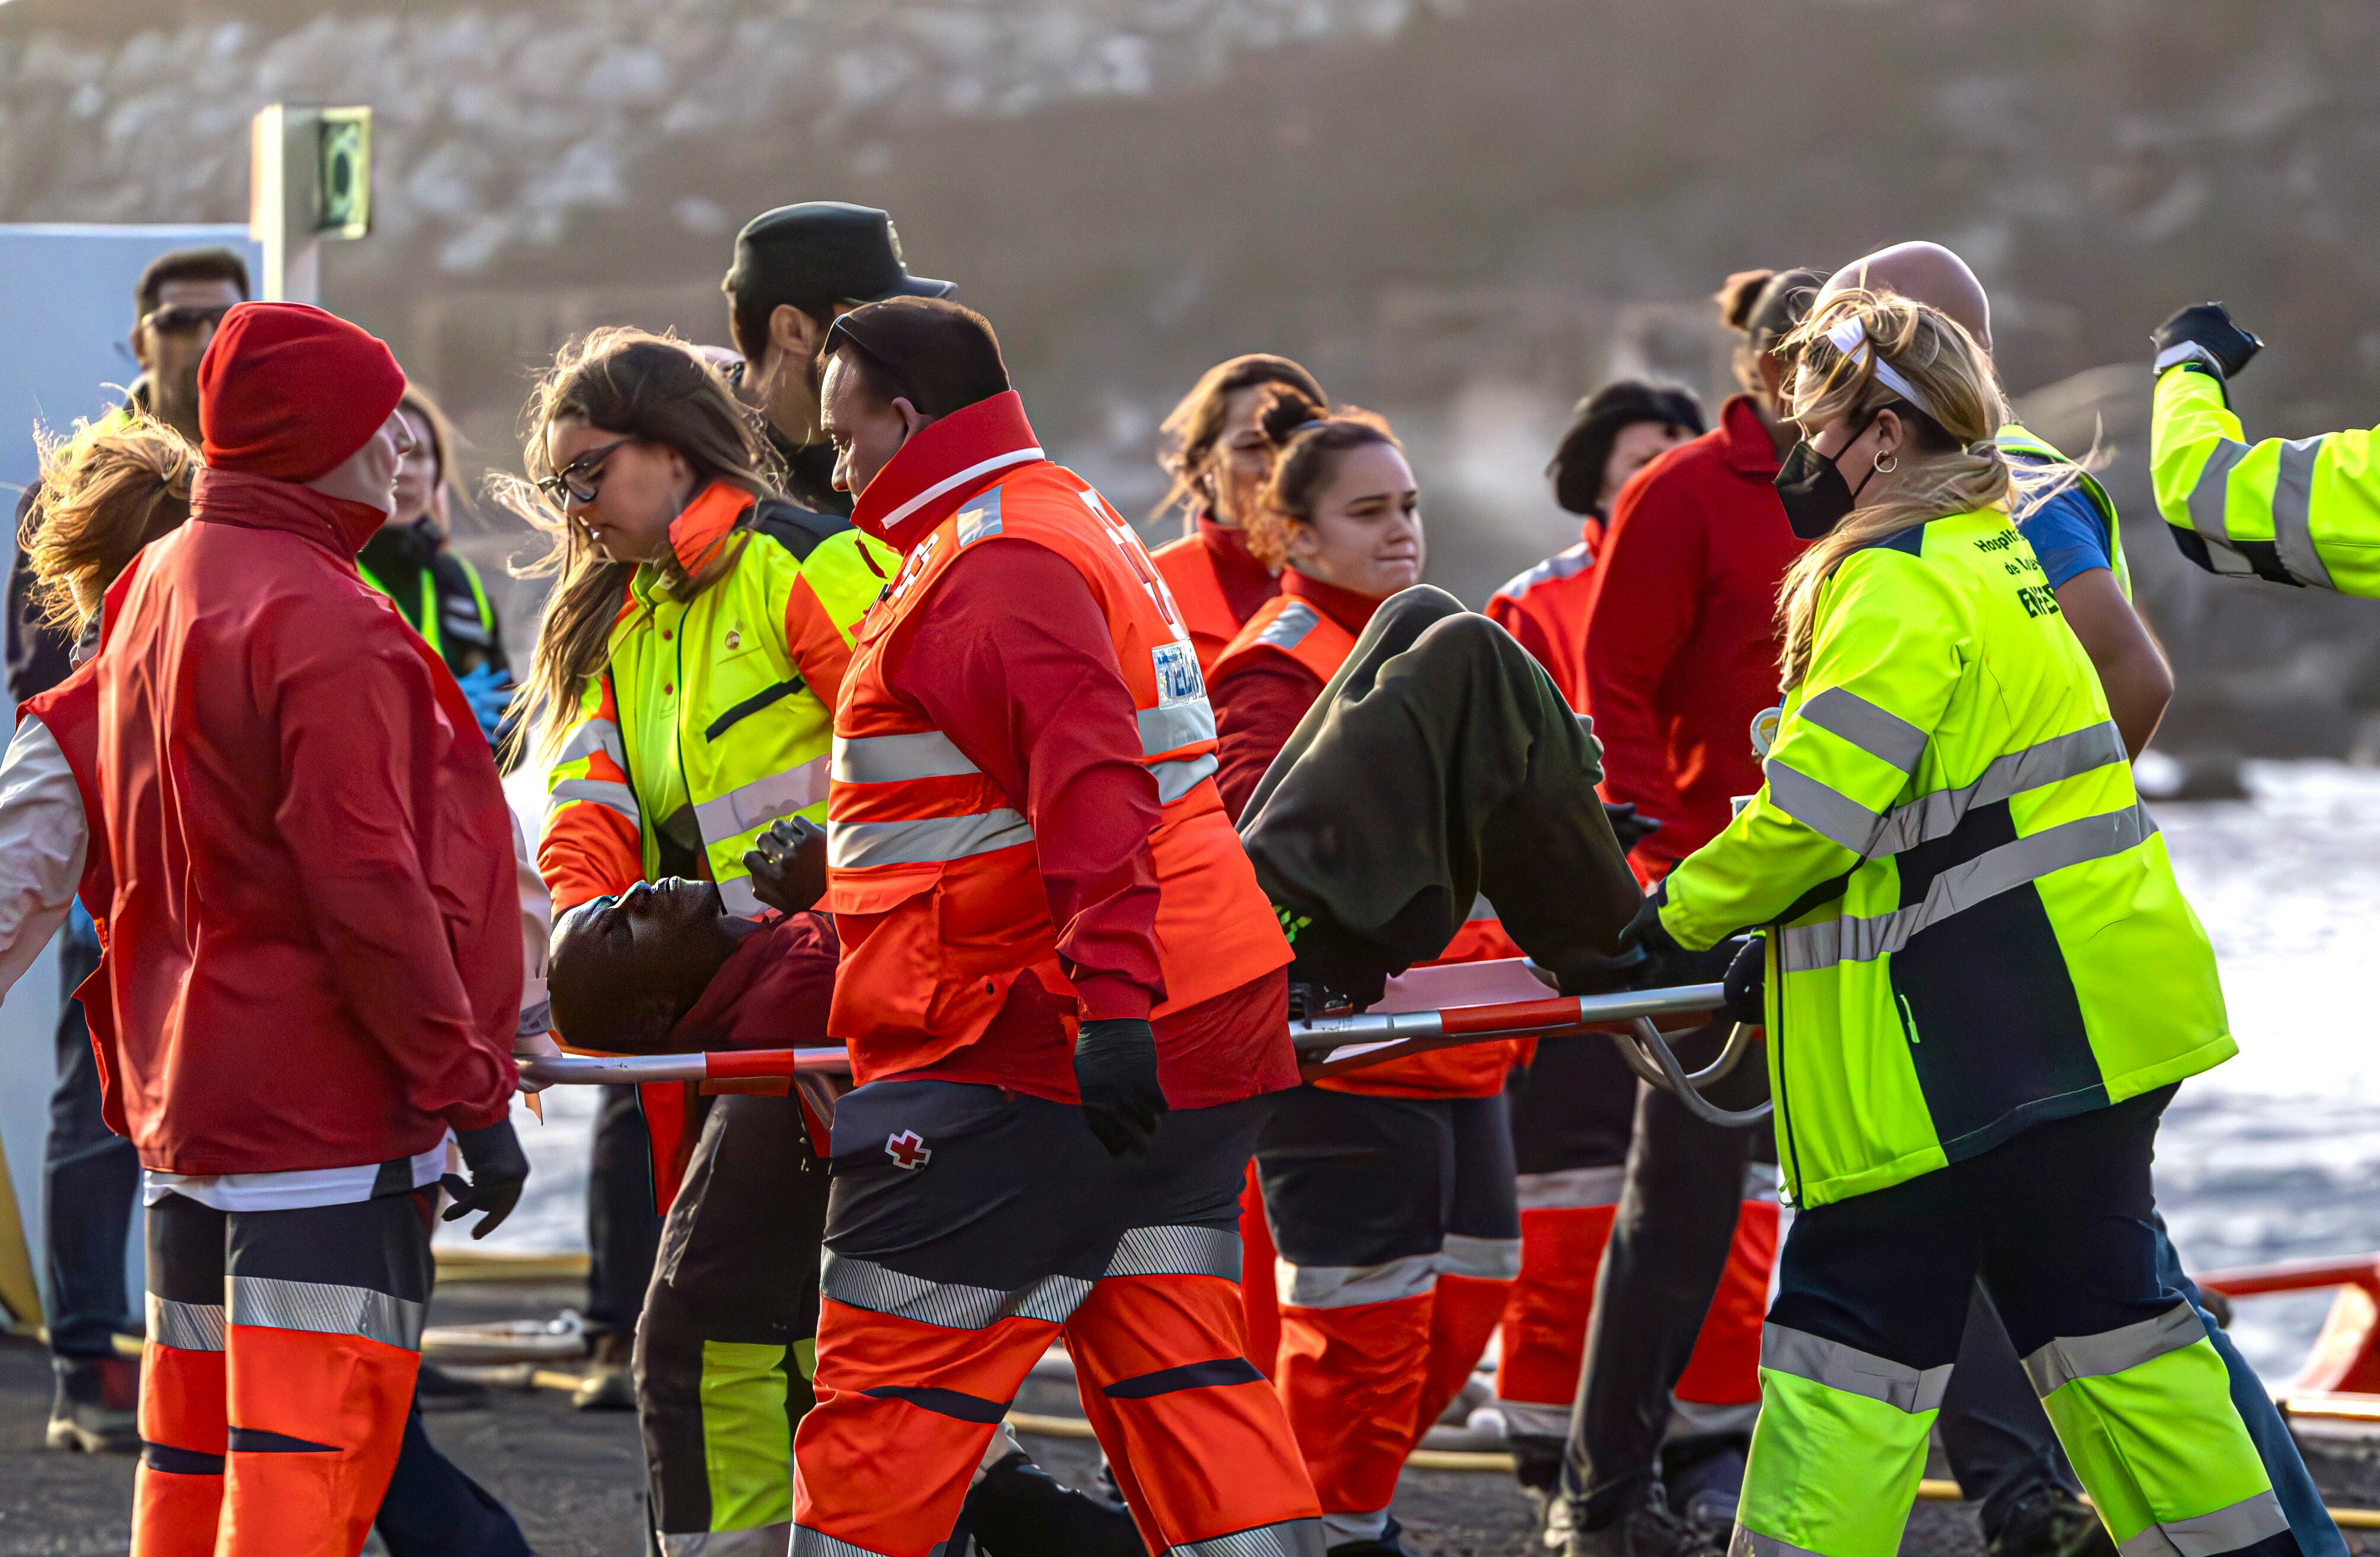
(1650, 1056)
(716, 1064)
(1517, 1018)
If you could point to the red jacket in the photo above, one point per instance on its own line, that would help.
(1546, 610)
(1217, 585)
(315, 944)
(1680, 651)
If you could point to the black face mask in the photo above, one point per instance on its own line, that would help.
(1811, 486)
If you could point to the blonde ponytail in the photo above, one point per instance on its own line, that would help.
(1948, 464)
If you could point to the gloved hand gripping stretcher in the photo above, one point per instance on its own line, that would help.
(1432, 1008)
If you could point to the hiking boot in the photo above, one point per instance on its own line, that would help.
(96, 1408)
(1650, 1528)
(607, 1384)
(2051, 1522)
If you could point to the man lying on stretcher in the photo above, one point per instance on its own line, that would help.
(664, 968)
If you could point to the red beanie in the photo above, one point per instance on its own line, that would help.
(289, 392)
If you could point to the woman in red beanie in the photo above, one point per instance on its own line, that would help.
(314, 960)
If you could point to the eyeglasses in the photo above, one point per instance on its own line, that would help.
(560, 487)
(183, 319)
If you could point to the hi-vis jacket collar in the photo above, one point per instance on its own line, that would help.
(701, 527)
(941, 465)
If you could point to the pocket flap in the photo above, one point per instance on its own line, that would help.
(879, 890)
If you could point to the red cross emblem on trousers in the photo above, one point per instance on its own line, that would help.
(907, 1149)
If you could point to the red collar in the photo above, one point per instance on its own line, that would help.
(1349, 609)
(1229, 548)
(942, 465)
(238, 497)
(703, 525)
(1749, 449)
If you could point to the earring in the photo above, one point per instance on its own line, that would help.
(1885, 467)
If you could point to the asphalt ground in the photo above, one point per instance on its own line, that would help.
(574, 1479)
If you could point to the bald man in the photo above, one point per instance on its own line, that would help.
(2074, 530)
(2073, 534)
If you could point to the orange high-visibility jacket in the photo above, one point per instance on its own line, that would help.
(933, 877)
(1190, 568)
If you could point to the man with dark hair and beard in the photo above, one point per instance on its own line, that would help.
(798, 269)
(90, 1176)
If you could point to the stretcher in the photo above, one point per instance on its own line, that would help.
(1434, 1007)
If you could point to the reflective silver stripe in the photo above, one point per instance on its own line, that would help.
(1289, 629)
(759, 1540)
(1852, 1371)
(891, 758)
(735, 895)
(761, 801)
(808, 1542)
(1827, 811)
(597, 791)
(2242, 1525)
(1178, 1251)
(1291, 1538)
(1482, 1260)
(270, 1303)
(863, 1284)
(1571, 1188)
(2043, 762)
(1752, 1543)
(980, 521)
(186, 1327)
(2210, 497)
(853, 845)
(1809, 947)
(1351, 1286)
(592, 736)
(1879, 732)
(2070, 1357)
(2294, 514)
(1169, 729)
(1178, 778)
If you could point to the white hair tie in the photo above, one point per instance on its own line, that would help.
(1849, 335)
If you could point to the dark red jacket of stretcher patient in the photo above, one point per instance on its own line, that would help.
(314, 943)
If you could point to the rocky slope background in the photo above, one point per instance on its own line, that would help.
(1462, 213)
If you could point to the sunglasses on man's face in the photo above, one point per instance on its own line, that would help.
(183, 319)
(582, 478)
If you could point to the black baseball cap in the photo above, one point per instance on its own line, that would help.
(825, 252)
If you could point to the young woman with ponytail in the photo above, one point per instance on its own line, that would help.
(682, 691)
(1982, 983)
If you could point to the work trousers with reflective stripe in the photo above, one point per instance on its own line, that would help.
(1398, 1240)
(2058, 1223)
(278, 1376)
(722, 1349)
(966, 1228)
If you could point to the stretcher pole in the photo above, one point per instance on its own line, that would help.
(717, 1064)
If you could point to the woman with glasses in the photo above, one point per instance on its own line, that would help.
(681, 692)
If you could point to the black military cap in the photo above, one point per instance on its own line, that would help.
(825, 252)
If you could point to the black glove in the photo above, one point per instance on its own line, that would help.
(1627, 826)
(498, 1170)
(1115, 1067)
(2208, 327)
(1666, 963)
(1746, 984)
(788, 865)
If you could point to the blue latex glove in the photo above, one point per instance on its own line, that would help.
(488, 691)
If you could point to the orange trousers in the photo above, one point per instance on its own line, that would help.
(966, 1228)
(270, 1422)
